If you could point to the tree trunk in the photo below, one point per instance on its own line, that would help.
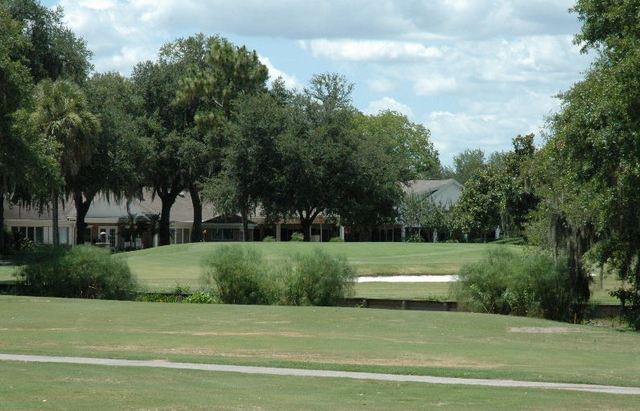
(164, 230)
(54, 219)
(306, 226)
(245, 225)
(2, 242)
(82, 208)
(196, 228)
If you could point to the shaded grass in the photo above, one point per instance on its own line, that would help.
(63, 387)
(432, 343)
(163, 267)
(6, 273)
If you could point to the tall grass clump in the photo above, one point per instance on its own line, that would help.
(318, 278)
(505, 282)
(81, 272)
(239, 276)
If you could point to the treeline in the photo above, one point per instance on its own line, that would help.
(578, 195)
(201, 118)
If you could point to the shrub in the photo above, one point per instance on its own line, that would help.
(297, 237)
(336, 240)
(200, 297)
(82, 271)
(239, 276)
(318, 278)
(177, 295)
(268, 239)
(415, 238)
(508, 283)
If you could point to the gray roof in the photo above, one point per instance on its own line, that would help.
(428, 186)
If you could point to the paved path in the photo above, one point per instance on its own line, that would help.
(608, 389)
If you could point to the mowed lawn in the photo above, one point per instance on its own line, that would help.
(429, 343)
(26, 386)
(164, 267)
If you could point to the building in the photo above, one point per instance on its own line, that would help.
(130, 225)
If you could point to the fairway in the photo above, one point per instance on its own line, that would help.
(407, 342)
(62, 387)
(164, 267)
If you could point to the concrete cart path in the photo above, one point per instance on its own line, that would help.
(607, 389)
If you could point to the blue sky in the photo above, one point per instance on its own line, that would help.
(475, 72)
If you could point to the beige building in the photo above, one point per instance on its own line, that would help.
(129, 225)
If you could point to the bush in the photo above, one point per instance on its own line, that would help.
(509, 283)
(268, 239)
(415, 238)
(82, 271)
(238, 275)
(200, 297)
(318, 278)
(297, 237)
(336, 240)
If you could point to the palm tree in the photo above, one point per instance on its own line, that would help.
(61, 114)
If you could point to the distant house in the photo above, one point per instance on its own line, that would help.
(131, 224)
(443, 192)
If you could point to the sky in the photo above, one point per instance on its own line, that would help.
(474, 72)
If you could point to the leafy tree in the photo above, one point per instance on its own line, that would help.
(467, 164)
(409, 143)
(520, 198)
(594, 143)
(161, 127)
(117, 151)
(420, 211)
(479, 207)
(215, 72)
(62, 115)
(250, 157)
(52, 50)
(15, 89)
(316, 153)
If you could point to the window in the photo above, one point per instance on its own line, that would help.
(39, 235)
(63, 235)
(33, 234)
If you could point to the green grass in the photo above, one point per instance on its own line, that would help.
(163, 267)
(600, 295)
(431, 343)
(65, 387)
(404, 291)
(6, 273)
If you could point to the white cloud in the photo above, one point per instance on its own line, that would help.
(290, 81)
(434, 85)
(477, 71)
(370, 50)
(388, 103)
(489, 125)
(381, 85)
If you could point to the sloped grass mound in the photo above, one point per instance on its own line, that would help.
(78, 272)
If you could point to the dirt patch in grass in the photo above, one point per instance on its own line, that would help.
(237, 334)
(542, 330)
(307, 357)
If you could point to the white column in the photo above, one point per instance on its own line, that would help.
(342, 232)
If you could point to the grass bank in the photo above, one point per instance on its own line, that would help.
(163, 267)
